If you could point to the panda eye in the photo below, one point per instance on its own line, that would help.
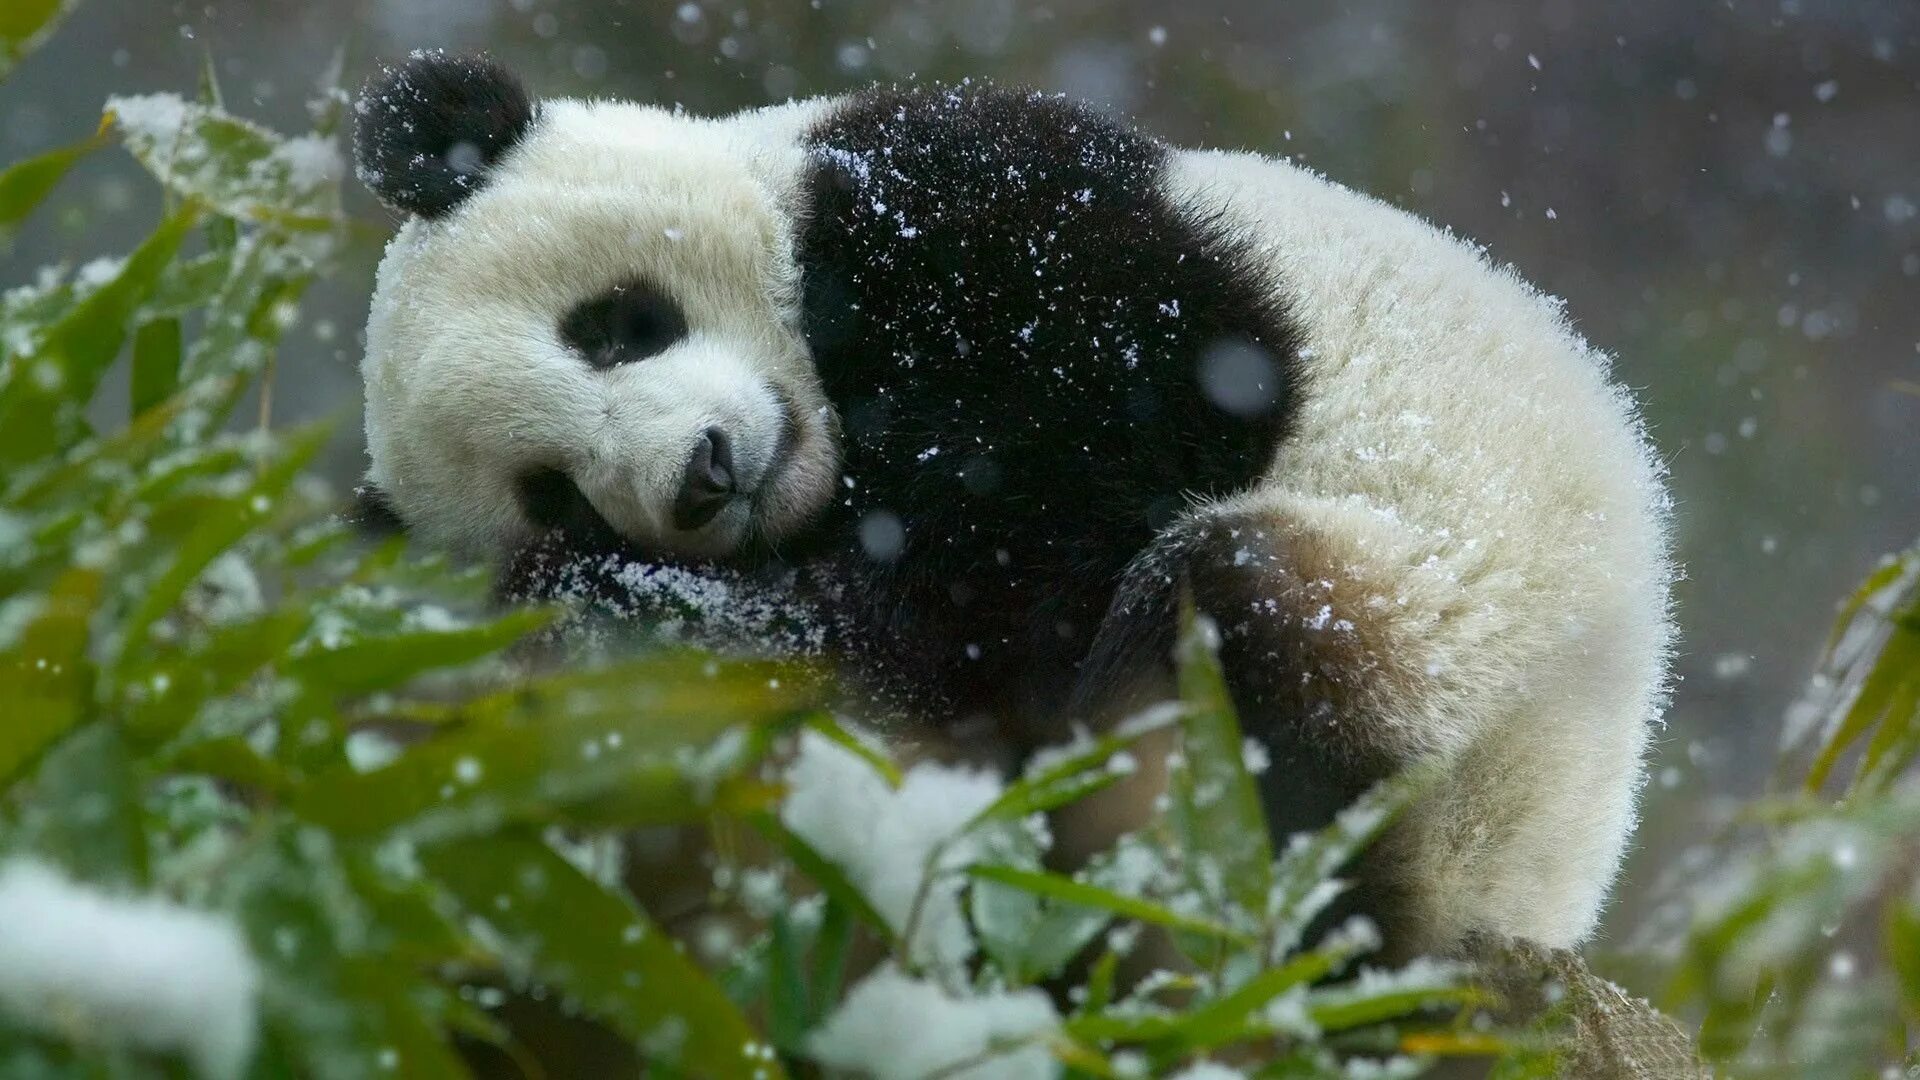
(627, 323)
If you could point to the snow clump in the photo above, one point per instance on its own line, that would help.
(882, 838)
(894, 1027)
(140, 970)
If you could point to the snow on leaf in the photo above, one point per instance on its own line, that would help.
(954, 1036)
(900, 847)
(239, 168)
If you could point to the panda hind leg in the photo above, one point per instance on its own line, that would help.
(1300, 675)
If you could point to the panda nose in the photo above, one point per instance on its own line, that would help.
(707, 484)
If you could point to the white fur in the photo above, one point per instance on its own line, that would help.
(468, 384)
(1494, 514)
(1473, 496)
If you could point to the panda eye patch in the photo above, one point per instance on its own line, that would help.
(626, 323)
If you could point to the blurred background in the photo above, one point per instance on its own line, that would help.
(1727, 195)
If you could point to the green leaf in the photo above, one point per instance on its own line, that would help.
(190, 284)
(1058, 887)
(787, 1005)
(25, 25)
(824, 875)
(1883, 576)
(240, 327)
(215, 526)
(28, 311)
(1353, 1004)
(1078, 774)
(592, 944)
(41, 395)
(82, 479)
(1882, 666)
(83, 809)
(233, 760)
(1233, 1017)
(242, 170)
(1303, 878)
(1903, 950)
(1870, 703)
(343, 1009)
(156, 363)
(668, 742)
(878, 762)
(163, 695)
(390, 661)
(829, 960)
(408, 913)
(23, 186)
(1214, 805)
(1030, 937)
(45, 678)
(1100, 983)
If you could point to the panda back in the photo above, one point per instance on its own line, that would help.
(1481, 505)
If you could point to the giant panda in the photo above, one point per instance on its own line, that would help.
(999, 379)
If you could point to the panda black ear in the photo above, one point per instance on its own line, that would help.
(427, 131)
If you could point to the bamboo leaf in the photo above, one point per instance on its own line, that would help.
(1232, 1017)
(1902, 936)
(595, 946)
(1304, 882)
(163, 695)
(824, 875)
(1890, 673)
(240, 169)
(1214, 804)
(156, 364)
(660, 752)
(217, 525)
(189, 284)
(390, 661)
(829, 967)
(1351, 1005)
(25, 185)
(878, 762)
(45, 678)
(1079, 773)
(341, 1008)
(1058, 887)
(787, 1005)
(25, 25)
(41, 395)
(84, 809)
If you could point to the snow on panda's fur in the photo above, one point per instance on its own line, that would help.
(1010, 375)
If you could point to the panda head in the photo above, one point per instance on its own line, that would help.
(589, 321)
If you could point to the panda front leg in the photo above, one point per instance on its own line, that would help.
(1304, 659)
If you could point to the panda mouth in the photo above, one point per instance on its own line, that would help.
(554, 503)
(784, 441)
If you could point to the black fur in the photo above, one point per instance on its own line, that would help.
(1292, 673)
(1011, 321)
(552, 501)
(426, 131)
(629, 322)
(1014, 326)
(372, 513)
